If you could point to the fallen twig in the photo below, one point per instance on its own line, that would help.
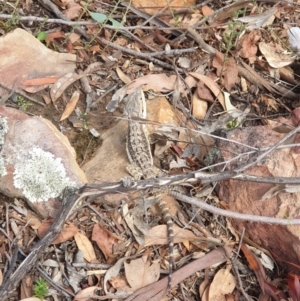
(247, 217)
(82, 23)
(147, 56)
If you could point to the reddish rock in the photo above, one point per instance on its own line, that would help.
(37, 162)
(246, 197)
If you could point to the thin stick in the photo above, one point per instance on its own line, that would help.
(232, 214)
(139, 54)
(82, 23)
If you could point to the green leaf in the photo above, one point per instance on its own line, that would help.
(98, 17)
(42, 36)
(101, 18)
(115, 23)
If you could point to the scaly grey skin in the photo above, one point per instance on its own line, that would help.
(141, 160)
(137, 142)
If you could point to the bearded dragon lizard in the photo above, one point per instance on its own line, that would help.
(140, 156)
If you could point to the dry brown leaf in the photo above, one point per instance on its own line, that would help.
(184, 62)
(157, 290)
(247, 45)
(119, 283)
(105, 240)
(274, 292)
(255, 266)
(40, 81)
(113, 272)
(26, 287)
(199, 106)
(60, 3)
(275, 55)
(86, 294)
(55, 35)
(189, 20)
(205, 294)
(71, 105)
(63, 83)
(95, 48)
(190, 81)
(73, 10)
(157, 82)
(214, 88)
(121, 41)
(154, 6)
(158, 235)
(84, 245)
(33, 220)
(229, 12)
(68, 231)
(73, 37)
(140, 273)
(206, 10)
(46, 98)
(223, 284)
(93, 68)
(15, 215)
(294, 286)
(270, 102)
(203, 286)
(287, 74)
(259, 20)
(203, 92)
(148, 40)
(123, 77)
(226, 69)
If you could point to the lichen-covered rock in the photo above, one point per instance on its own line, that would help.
(37, 162)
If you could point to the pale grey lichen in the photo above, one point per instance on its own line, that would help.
(3, 131)
(3, 170)
(40, 175)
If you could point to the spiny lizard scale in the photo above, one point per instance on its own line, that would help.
(137, 140)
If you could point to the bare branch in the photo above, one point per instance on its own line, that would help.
(246, 217)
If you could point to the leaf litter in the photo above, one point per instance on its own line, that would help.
(134, 245)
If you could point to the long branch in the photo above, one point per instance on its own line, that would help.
(232, 214)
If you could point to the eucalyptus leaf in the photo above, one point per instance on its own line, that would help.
(101, 18)
(98, 17)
